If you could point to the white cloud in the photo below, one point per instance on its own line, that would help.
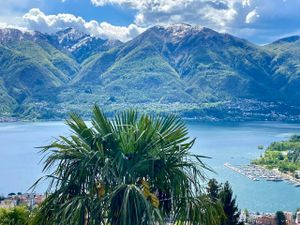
(6, 25)
(217, 14)
(218, 17)
(259, 20)
(264, 19)
(246, 3)
(35, 19)
(3, 25)
(252, 16)
(10, 11)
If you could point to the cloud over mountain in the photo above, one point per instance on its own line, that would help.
(217, 13)
(35, 19)
(252, 16)
(257, 20)
(267, 19)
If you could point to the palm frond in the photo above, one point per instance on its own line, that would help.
(98, 173)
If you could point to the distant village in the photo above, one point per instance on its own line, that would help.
(269, 218)
(32, 200)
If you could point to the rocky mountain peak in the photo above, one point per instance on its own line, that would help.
(178, 32)
(12, 34)
(70, 36)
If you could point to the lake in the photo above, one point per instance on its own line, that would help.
(235, 143)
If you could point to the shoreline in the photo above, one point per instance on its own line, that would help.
(286, 177)
(189, 119)
(257, 172)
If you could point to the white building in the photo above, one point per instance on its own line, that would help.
(297, 218)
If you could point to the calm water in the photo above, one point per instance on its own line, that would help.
(234, 143)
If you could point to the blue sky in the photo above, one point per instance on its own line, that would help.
(113, 14)
(260, 21)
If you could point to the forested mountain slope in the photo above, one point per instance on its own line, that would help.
(190, 70)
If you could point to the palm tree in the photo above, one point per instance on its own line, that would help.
(130, 170)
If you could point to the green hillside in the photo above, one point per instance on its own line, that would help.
(282, 155)
(285, 66)
(193, 71)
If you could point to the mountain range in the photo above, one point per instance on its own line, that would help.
(193, 71)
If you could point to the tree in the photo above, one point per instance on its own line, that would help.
(280, 218)
(213, 189)
(14, 216)
(295, 138)
(229, 206)
(130, 170)
(222, 195)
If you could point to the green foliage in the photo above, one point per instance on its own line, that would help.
(223, 196)
(295, 138)
(284, 155)
(213, 189)
(130, 170)
(15, 216)
(290, 145)
(280, 218)
(229, 206)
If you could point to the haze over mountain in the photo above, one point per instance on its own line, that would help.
(190, 70)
